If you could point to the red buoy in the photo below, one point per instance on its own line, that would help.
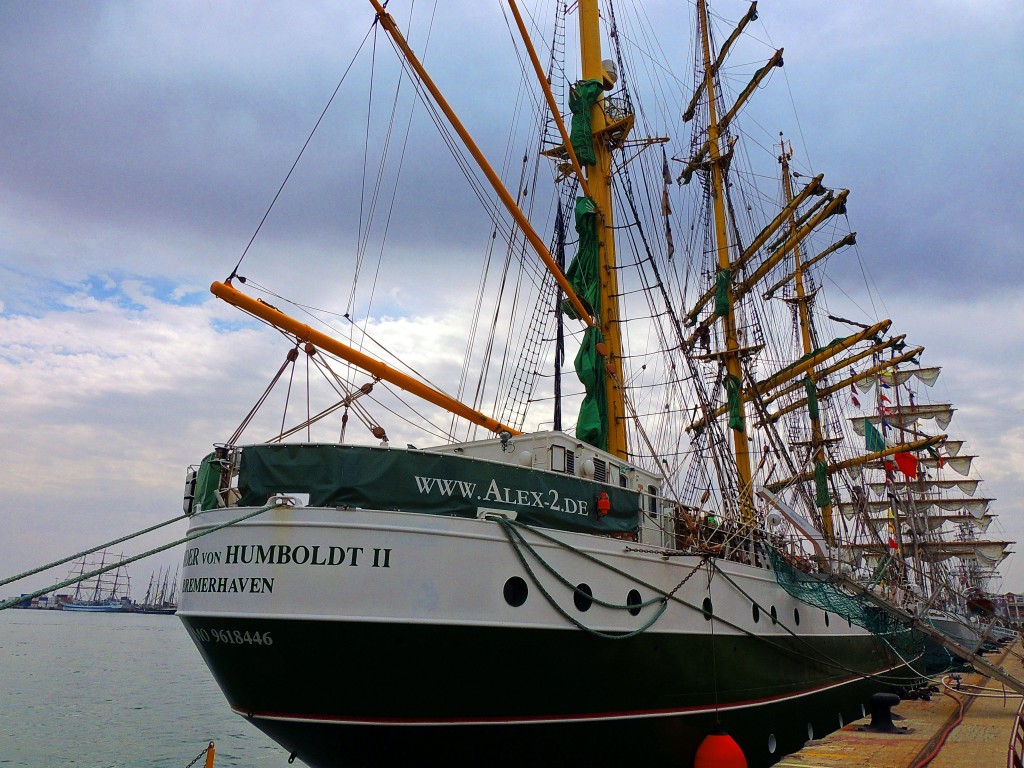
(604, 504)
(719, 750)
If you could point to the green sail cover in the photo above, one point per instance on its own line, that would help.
(732, 390)
(592, 423)
(722, 292)
(430, 483)
(821, 497)
(583, 275)
(812, 398)
(582, 97)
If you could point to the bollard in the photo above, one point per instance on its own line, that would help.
(881, 717)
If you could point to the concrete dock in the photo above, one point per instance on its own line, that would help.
(982, 739)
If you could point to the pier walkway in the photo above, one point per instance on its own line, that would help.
(981, 740)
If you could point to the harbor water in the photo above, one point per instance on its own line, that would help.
(108, 689)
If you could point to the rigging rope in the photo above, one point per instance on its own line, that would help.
(514, 536)
(301, 151)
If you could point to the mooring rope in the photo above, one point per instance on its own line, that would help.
(823, 658)
(189, 537)
(85, 552)
(513, 535)
(509, 527)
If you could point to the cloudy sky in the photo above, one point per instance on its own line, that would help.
(140, 145)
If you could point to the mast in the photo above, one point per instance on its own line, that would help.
(731, 356)
(78, 584)
(303, 333)
(389, 25)
(99, 579)
(599, 180)
(803, 299)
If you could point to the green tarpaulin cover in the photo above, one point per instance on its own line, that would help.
(821, 497)
(732, 390)
(207, 482)
(430, 483)
(722, 292)
(582, 97)
(582, 273)
(592, 424)
(812, 398)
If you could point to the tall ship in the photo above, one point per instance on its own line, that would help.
(108, 592)
(594, 565)
(161, 594)
(932, 552)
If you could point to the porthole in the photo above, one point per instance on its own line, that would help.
(516, 591)
(708, 609)
(633, 600)
(810, 732)
(826, 619)
(756, 612)
(772, 745)
(775, 615)
(583, 597)
(796, 616)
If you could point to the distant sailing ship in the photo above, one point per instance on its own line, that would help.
(929, 543)
(161, 594)
(106, 593)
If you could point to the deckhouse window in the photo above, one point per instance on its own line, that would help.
(652, 499)
(562, 459)
(557, 458)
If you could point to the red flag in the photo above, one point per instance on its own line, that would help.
(883, 398)
(853, 396)
(907, 463)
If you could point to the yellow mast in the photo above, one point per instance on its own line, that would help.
(804, 316)
(599, 181)
(389, 25)
(741, 445)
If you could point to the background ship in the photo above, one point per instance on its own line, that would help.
(161, 594)
(107, 593)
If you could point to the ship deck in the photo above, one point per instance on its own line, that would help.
(981, 739)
